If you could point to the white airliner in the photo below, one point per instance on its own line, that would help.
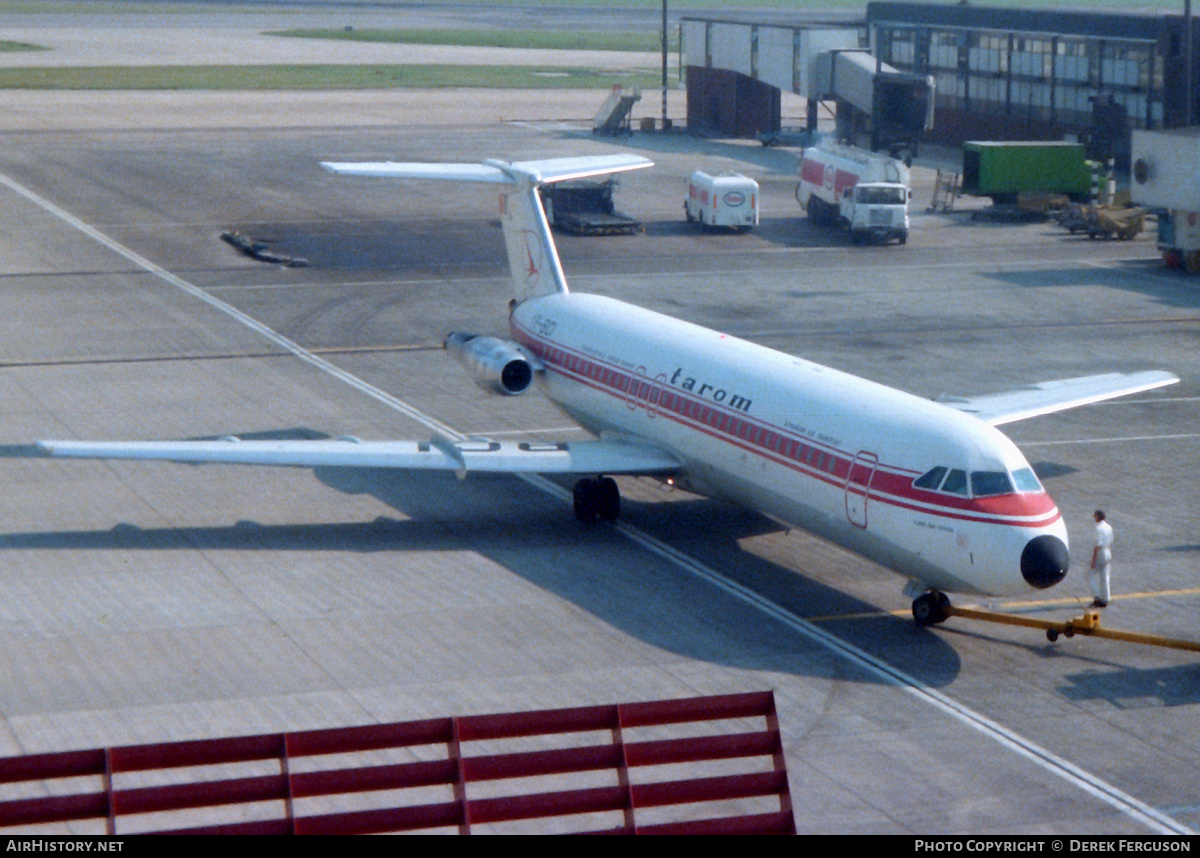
(929, 489)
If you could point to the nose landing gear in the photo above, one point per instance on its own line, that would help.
(931, 608)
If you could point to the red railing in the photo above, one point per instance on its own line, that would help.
(697, 765)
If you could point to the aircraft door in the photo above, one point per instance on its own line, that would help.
(638, 389)
(644, 392)
(858, 487)
(656, 391)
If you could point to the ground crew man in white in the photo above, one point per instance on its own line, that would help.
(1101, 560)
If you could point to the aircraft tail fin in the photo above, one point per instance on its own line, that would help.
(532, 255)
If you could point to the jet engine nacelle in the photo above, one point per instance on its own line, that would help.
(497, 366)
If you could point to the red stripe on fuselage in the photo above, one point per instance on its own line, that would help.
(890, 484)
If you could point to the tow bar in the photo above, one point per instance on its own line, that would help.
(1088, 624)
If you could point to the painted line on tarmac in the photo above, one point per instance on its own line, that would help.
(1153, 819)
(228, 309)
(505, 433)
(1026, 607)
(1095, 786)
(1187, 436)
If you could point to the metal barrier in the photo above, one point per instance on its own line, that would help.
(689, 766)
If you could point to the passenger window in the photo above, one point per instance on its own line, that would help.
(930, 479)
(956, 483)
(988, 483)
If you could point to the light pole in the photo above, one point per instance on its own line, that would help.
(666, 122)
(1188, 70)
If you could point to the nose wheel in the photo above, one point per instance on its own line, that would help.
(930, 608)
(597, 499)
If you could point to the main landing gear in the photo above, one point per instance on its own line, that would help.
(597, 499)
(931, 608)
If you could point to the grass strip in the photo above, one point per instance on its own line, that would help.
(302, 77)
(647, 42)
(12, 47)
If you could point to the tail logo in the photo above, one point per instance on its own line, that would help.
(532, 272)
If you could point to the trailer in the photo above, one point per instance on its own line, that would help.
(1166, 180)
(727, 200)
(585, 208)
(1003, 169)
(859, 190)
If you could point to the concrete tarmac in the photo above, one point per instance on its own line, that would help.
(144, 602)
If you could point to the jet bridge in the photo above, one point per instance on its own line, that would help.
(874, 101)
(736, 72)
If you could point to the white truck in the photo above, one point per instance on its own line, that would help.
(1165, 168)
(729, 200)
(865, 192)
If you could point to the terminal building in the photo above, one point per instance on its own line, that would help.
(994, 73)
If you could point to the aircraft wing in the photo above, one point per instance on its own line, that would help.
(1046, 397)
(573, 457)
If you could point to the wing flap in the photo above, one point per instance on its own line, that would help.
(575, 457)
(1047, 397)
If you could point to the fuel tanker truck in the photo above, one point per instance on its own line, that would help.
(862, 191)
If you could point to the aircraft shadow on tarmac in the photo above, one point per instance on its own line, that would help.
(390, 245)
(535, 536)
(381, 245)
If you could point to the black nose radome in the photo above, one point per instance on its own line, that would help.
(1044, 561)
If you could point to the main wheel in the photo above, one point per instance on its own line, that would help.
(585, 500)
(930, 609)
(608, 499)
(597, 499)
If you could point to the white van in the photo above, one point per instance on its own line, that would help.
(729, 200)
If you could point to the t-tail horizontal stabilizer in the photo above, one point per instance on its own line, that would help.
(532, 256)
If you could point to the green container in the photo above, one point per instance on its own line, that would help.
(1003, 169)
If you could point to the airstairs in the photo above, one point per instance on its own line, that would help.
(614, 116)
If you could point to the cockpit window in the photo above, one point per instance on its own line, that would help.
(930, 479)
(987, 483)
(1026, 480)
(956, 483)
(978, 484)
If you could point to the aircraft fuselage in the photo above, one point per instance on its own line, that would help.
(805, 444)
